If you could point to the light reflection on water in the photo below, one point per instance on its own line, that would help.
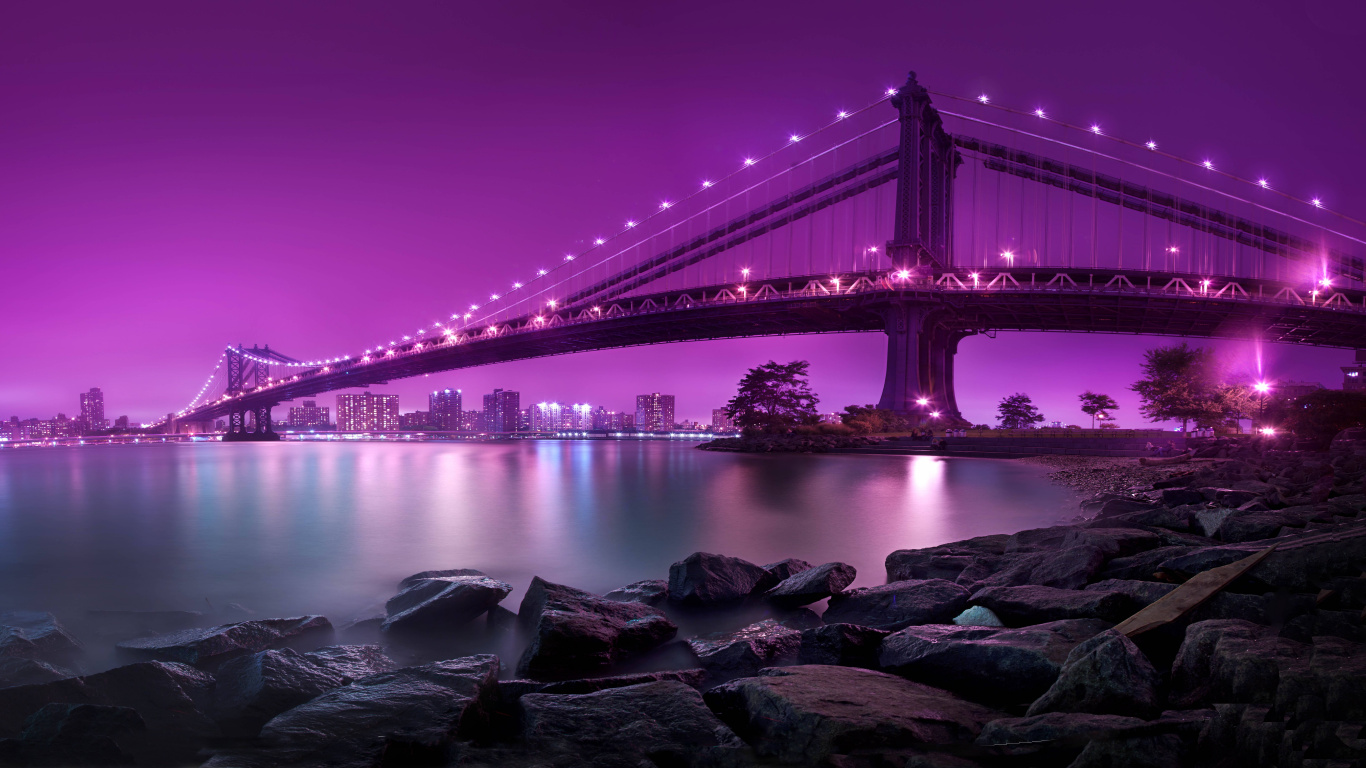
(329, 528)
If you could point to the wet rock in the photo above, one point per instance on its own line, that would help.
(1069, 568)
(847, 645)
(17, 670)
(1124, 506)
(574, 633)
(36, 635)
(997, 666)
(943, 562)
(172, 699)
(1143, 566)
(978, 616)
(727, 655)
(442, 602)
(404, 717)
(1019, 606)
(353, 661)
(1162, 751)
(1301, 562)
(208, 647)
(652, 592)
(655, 724)
(812, 584)
(252, 689)
(424, 575)
(692, 678)
(704, 580)
(805, 714)
(73, 734)
(898, 604)
(1113, 541)
(1105, 675)
(786, 569)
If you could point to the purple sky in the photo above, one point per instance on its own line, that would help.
(177, 176)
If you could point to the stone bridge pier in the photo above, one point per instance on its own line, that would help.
(251, 424)
(920, 353)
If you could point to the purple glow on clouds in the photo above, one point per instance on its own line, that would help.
(176, 177)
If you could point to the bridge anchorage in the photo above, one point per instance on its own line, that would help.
(248, 371)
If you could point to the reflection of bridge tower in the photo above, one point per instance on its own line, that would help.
(248, 370)
(920, 350)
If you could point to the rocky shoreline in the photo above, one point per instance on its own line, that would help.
(996, 651)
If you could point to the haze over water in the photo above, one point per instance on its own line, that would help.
(290, 528)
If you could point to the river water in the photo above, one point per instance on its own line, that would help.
(290, 528)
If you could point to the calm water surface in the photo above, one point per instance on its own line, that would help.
(329, 528)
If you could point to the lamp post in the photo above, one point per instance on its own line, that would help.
(1263, 389)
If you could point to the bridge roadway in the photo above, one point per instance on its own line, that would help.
(955, 302)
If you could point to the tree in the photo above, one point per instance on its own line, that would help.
(774, 397)
(1018, 412)
(1318, 416)
(865, 419)
(1094, 405)
(1179, 382)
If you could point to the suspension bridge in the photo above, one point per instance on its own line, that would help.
(925, 223)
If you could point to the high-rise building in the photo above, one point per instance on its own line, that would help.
(367, 412)
(1289, 390)
(92, 410)
(309, 416)
(121, 422)
(602, 418)
(548, 417)
(472, 421)
(1354, 376)
(444, 405)
(581, 416)
(654, 412)
(415, 420)
(721, 420)
(503, 411)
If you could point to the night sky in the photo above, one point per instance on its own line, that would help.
(176, 177)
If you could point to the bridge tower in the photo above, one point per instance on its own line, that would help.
(920, 346)
(248, 370)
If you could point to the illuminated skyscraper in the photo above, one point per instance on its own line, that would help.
(309, 416)
(444, 405)
(367, 412)
(503, 411)
(654, 412)
(92, 410)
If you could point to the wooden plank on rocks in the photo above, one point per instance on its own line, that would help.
(1189, 596)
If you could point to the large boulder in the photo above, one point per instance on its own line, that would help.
(442, 602)
(17, 670)
(1106, 675)
(943, 562)
(1018, 606)
(898, 604)
(812, 584)
(727, 655)
(73, 734)
(803, 715)
(1143, 566)
(652, 592)
(1301, 562)
(172, 699)
(786, 569)
(36, 635)
(704, 580)
(408, 716)
(424, 575)
(574, 633)
(1069, 568)
(986, 664)
(252, 689)
(846, 645)
(353, 661)
(653, 724)
(206, 648)
(1229, 660)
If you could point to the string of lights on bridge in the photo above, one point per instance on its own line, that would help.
(468, 319)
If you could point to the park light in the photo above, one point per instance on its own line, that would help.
(934, 414)
(744, 271)
(1262, 387)
(983, 98)
(1008, 256)
(1268, 431)
(903, 274)
(923, 401)
(1151, 145)
(1326, 282)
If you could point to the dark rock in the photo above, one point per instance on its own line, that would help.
(1142, 566)
(1075, 728)
(1018, 606)
(353, 661)
(651, 592)
(1301, 563)
(1114, 541)
(442, 602)
(171, 698)
(36, 635)
(208, 647)
(404, 717)
(803, 715)
(898, 604)
(1106, 675)
(786, 569)
(1122, 506)
(1163, 751)
(692, 678)
(1227, 660)
(1069, 568)
(943, 562)
(1175, 497)
(727, 655)
(1254, 526)
(1000, 666)
(17, 670)
(703, 580)
(812, 584)
(655, 724)
(73, 734)
(1169, 518)
(1228, 497)
(575, 633)
(424, 575)
(846, 645)
(252, 689)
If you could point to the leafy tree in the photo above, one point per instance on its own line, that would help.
(1093, 405)
(774, 397)
(1179, 382)
(865, 419)
(1318, 416)
(1018, 412)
